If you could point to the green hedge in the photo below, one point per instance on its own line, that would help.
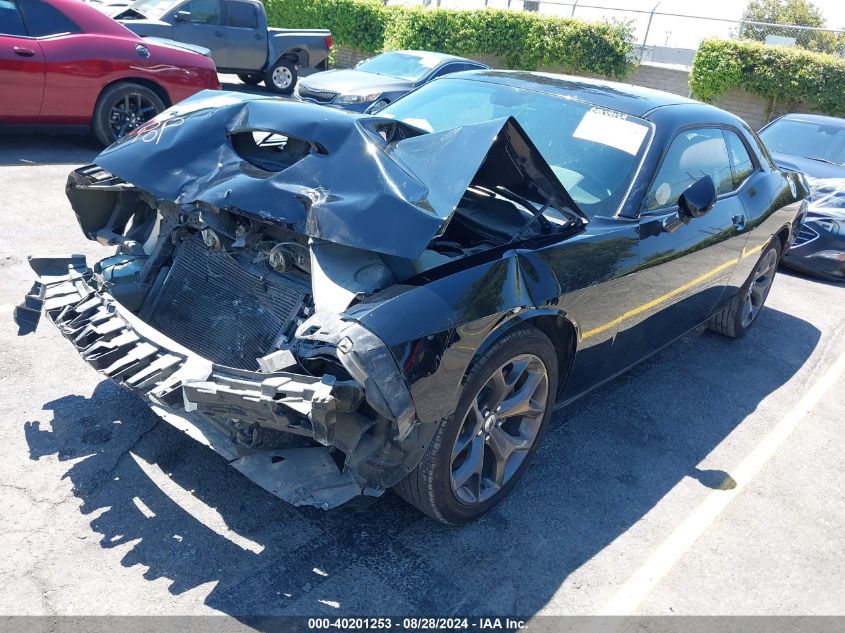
(522, 39)
(782, 75)
(356, 23)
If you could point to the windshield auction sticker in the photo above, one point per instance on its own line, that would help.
(611, 128)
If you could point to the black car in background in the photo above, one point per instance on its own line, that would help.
(815, 146)
(380, 80)
(342, 303)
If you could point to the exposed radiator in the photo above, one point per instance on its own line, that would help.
(225, 310)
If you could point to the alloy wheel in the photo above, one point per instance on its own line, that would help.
(499, 429)
(761, 283)
(130, 112)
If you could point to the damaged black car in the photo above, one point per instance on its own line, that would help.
(340, 303)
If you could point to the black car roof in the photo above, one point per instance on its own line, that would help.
(634, 100)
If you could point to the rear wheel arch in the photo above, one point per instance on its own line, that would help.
(298, 56)
(138, 101)
(141, 81)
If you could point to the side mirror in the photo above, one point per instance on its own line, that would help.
(698, 199)
(182, 16)
(381, 104)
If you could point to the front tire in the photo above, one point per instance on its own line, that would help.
(479, 453)
(737, 317)
(281, 78)
(122, 108)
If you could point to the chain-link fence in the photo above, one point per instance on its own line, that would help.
(663, 37)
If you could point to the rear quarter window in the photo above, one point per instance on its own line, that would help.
(43, 20)
(743, 166)
(241, 15)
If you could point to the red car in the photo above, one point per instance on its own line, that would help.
(63, 63)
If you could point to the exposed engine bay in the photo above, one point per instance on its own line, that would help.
(226, 303)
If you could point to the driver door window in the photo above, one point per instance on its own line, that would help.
(203, 11)
(693, 154)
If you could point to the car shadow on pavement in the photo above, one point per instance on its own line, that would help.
(42, 149)
(236, 86)
(194, 520)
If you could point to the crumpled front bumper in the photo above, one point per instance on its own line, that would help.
(198, 397)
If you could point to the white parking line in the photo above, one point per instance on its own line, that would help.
(632, 592)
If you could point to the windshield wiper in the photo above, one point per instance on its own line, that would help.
(537, 215)
(535, 212)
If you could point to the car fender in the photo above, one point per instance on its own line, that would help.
(450, 319)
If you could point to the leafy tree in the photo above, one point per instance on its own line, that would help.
(791, 13)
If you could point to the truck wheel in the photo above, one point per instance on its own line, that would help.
(122, 108)
(251, 80)
(281, 78)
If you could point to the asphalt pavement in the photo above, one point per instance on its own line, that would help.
(708, 480)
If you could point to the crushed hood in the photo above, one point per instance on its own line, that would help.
(367, 182)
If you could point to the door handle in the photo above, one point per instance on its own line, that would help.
(739, 221)
(218, 33)
(258, 36)
(23, 52)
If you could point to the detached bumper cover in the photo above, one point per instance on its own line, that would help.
(196, 396)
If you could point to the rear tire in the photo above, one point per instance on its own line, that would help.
(252, 79)
(121, 108)
(737, 317)
(519, 374)
(281, 78)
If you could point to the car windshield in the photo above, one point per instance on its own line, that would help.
(593, 151)
(409, 66)
(153, 8)
(819, 141)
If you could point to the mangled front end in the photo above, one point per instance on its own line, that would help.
(244, 230)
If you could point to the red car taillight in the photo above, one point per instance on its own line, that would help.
(328, 41)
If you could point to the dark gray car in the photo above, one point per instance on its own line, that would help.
(815, 146)
(236, 33)
(380, 80)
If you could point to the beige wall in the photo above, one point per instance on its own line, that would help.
(345, 57)
(674, 79)
(750, 107)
